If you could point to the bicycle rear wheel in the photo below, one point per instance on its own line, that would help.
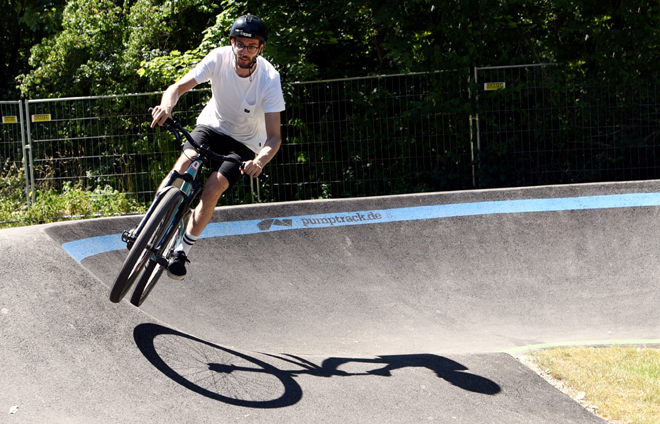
(148, 280)
(141, 252)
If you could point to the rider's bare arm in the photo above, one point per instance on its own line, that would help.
(170, 98)
(254, 167)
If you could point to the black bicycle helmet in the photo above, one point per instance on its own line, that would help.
(249, 26)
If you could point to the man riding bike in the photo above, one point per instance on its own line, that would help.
(242, 120)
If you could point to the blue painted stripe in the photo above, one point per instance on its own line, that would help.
(82, 249)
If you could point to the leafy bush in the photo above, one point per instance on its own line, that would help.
(72, 202)
(12, 192)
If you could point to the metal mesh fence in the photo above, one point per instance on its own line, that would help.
(368, 136)
(346, 138)
(373, 136)
(545, 127)
(11, 148)
(13, 164)
(101, 141)
(106, 141)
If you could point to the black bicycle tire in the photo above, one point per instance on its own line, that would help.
(148, 279)
(128, 272)
(146, 283)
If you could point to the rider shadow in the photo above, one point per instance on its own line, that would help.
(245, 380)
(447, 369)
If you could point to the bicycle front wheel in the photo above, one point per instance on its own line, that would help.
(144, 246)
(154, 270)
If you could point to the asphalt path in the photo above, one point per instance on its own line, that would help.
(378, 310)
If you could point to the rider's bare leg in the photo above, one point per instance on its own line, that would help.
(215, 186)
(180, 166)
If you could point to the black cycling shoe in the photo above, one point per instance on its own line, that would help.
(176, 268)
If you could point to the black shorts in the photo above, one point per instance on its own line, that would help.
(223, 145)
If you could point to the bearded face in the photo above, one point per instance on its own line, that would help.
(246, 51)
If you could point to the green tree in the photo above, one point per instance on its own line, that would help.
(112, 46)
(307, 40)
(344, 38)
(102, 44)
(609, 40)
(23, 24)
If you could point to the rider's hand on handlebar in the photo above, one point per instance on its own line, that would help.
(160, 115)
(252, 168)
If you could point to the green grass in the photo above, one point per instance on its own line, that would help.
(621, 384)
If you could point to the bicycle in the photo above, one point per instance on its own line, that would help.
(152, 242)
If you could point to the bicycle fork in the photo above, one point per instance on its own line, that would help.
(189, 190)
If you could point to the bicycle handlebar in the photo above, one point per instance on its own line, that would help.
(177, 129)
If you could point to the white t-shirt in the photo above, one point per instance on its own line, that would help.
(238, 105)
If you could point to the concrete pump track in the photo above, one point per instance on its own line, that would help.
(395, 309)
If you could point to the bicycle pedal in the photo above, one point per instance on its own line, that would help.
(162, 262)
(128, 238)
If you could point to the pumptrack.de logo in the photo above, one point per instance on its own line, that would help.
(324, 221)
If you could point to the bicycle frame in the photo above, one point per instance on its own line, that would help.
(190, 188)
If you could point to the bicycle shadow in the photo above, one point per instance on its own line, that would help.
(245, 380)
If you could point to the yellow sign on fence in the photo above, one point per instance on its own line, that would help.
(492, 86)
(41, 118)
(10, 120)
